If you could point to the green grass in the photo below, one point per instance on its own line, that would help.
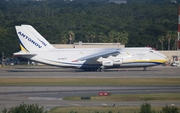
(100, 109)
(164, 97)
(90, 81)
(132, 97)
(94, 109)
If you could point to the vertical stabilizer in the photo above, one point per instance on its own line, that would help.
(38, 36)
(30, 41)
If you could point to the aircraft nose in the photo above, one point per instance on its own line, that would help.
(165, 59)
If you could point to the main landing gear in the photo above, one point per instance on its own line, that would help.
(145, 69)
(101, 69)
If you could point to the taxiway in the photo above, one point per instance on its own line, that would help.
(51, 96)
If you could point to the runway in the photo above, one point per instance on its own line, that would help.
(52, 72)
(51, 96)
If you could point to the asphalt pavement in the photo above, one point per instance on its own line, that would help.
(51, 96)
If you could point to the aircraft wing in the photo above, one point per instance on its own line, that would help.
(96, 56)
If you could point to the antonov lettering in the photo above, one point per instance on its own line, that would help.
(30, 40)
(42, 42)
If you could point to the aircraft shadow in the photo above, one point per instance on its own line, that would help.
(76, 70)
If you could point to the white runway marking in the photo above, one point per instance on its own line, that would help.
(104, 104)
(43, 98)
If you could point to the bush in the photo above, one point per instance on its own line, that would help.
(23, 108)
(73, 112)
(146, 108)
(170, 109)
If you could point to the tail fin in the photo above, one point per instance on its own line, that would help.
(31, 40)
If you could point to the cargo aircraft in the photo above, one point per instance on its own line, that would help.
(36, 48)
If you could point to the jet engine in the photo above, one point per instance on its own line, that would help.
(117, 61)
(107, 63)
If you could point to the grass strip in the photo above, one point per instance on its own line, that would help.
(90, 81)
(94, 109)
(117, 98)
(100, 109)
(132, 97)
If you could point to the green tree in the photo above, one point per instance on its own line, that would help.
(146, 108)
(24, 108)
(71, 36)
(175, 39)
(64, 38)
(145, 23)
(102, 38)
(161, 40)
(121, 37)
(91, 36)
(111, 36)
(169, 37)
(170, 109)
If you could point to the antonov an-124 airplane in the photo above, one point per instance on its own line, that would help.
(36, 48)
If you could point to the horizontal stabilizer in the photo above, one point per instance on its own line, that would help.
(21, 53)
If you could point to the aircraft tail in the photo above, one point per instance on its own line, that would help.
(31, 40)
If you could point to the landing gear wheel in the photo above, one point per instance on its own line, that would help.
(86, 69)
(145, 69)
(100, 69)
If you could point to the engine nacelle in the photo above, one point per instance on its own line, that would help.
(107, 63)
(117, 61)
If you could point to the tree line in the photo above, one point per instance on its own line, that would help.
(64, 22)
(35, 108)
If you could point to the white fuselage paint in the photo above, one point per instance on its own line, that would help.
(36, 48)
(128, 57)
